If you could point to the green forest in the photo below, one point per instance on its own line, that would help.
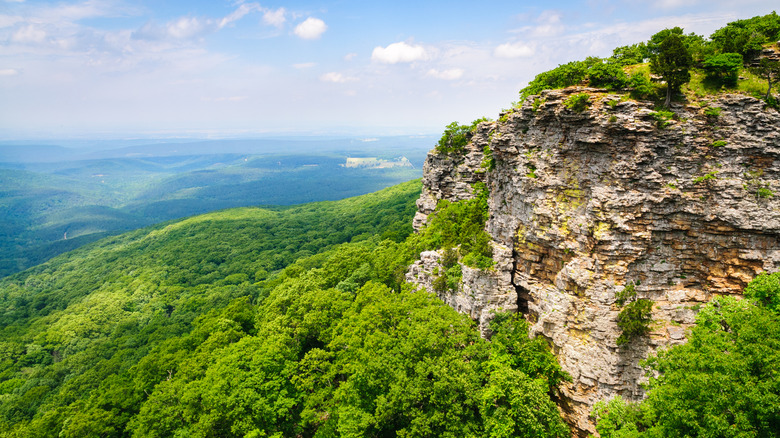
(49, 208)
(256, 322)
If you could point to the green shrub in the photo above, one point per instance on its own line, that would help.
(456, 137)
(454, 277)
(724, 67)
(531, 171)
(629, 55)
(710, 176)
(577, 102)
(640, 85)
(634, 320)
(538, 102)
(712, 111)
(764, 192)
(462, 224)
(719, 143)
(488, 163)
(765, 289)
(662, 118)
(627, 293)
(449, 257)
(563, 76)
(609, 76)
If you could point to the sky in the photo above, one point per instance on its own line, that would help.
(225, 69)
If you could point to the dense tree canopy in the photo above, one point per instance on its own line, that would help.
(252, 322)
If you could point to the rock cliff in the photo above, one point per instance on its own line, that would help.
(583, 204)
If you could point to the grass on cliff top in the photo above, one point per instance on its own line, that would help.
(700, 87)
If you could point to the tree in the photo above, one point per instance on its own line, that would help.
(724, 67)
(610, 76)
(770, 70)
(746, 37)
(673, 63)
(629, 55)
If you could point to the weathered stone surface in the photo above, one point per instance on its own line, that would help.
(583, 203)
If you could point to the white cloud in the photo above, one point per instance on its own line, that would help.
(239, 13)
(513, 50)
(275, 18)
(182, 28)
(673, 4)
(311, 28)
(549, 24)
(9, 20)
(9, 72)
(303, 65)
(29, 34)
(399, 52)
(186, 27)
(350, 56)
(337, 78)
(447, 75)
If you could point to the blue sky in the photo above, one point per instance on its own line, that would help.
(127, 69)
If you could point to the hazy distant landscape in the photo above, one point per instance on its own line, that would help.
(56, 198)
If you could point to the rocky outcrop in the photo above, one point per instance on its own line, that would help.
(584, 203)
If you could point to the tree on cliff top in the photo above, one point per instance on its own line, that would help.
(673, 63)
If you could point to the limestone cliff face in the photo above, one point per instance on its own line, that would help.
(584, 203)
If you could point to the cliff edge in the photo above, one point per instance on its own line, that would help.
(585, 204)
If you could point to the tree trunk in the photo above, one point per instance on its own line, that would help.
(668, 95)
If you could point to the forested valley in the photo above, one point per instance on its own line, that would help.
(254, 322)
(54, 199)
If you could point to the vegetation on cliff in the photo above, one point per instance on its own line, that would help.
(730, 60)
(723, 382)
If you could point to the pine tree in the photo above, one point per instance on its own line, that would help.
(673, 63)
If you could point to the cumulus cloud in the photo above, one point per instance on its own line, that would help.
(337, 78)
(447, 75)
(311, 28)
(350, 56)
(399, 52)
(513, 50)
(275, 18)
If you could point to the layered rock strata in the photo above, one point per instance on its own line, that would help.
(583, 204)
